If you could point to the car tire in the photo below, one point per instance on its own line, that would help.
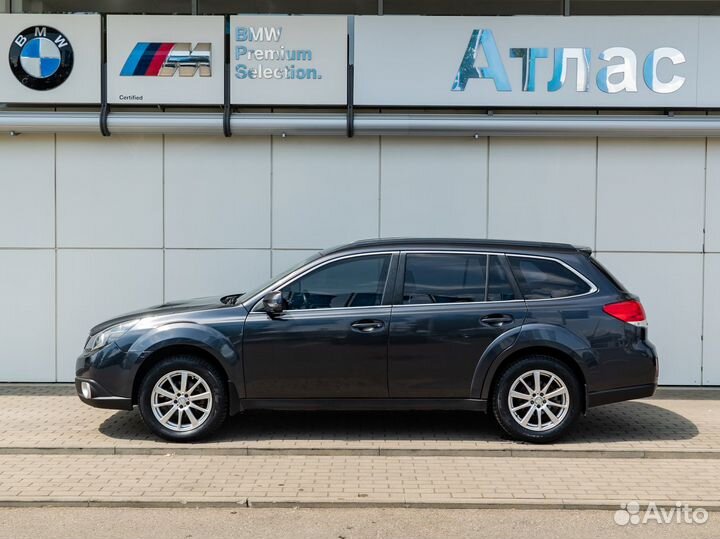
(183, 414)
(545, 400)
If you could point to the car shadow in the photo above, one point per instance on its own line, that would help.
(622, 422)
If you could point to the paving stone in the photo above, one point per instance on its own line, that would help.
(50, 418)
(503, 479)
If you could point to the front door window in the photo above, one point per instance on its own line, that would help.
(352, 282)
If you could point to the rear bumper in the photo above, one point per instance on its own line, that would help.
(599, 398)
(100, 397)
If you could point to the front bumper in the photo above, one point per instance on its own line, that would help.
(100, 398)
(109, 379)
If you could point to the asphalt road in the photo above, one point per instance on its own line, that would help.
(96, 523)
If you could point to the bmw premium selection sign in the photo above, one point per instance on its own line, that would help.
(50, 59)
(288, 60)
(537, 61)
(165, 60)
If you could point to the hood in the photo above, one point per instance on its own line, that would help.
(175, 307)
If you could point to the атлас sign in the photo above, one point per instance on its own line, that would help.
(537, 61)
(283, 60)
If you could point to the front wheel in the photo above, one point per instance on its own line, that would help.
(183, 398)
(537, 399)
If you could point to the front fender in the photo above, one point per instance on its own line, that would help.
(532, 336)
(199, 336)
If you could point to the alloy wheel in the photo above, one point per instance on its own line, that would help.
(538, 400)
(181, 401)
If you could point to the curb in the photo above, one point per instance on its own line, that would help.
(295, 503)
(372, 452)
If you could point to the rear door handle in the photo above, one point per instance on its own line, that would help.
(368, 326)
(497, 319)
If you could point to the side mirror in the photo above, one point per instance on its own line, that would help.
(273, 303)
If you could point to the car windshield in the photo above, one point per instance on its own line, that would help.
(266, 284)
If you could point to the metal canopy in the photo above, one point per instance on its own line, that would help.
(316, 123)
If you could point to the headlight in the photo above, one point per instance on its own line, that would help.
(108, 335)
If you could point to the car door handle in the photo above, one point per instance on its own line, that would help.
(367, 326)
(497, 320)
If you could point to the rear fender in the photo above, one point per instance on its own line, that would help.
(547, 337)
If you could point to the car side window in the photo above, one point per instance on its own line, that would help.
(444, 278)
(352, 282)
(499, 287)
(540, 278)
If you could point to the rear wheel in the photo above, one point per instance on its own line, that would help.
(183, 398)
(537, 399)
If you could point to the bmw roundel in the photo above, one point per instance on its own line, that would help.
(41, 58)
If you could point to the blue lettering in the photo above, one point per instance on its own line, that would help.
(494, 70)
(528, 65)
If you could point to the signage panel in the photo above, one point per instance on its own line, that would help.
(288, 60)
(165, 60)
(536, 61)
(50, 59)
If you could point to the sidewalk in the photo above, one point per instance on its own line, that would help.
(56, 451)
(168, 481)
(674, 423)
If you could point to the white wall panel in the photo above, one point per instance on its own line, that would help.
(650, 194)
(199, 273)
(97, 284)
(433, 187)
(543, 189)
(27, 191)
(109, 191)
(711, 333)
(285, 259)
(217, 192)
(325, 191)
(234, 206)
(670, 288)
(27, 317)
(712, 201)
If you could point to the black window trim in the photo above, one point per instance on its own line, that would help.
(593, 287)
(400, 279)
(387, 289)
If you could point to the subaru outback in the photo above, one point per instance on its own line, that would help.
(534, 333)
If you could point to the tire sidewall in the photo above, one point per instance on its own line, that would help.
(502, 410)
(203, 369)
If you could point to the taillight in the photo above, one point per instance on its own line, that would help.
(630, 312)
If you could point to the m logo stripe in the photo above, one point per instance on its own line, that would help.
(159, 60)
(149, 59)
(146, 59)
(131, 63)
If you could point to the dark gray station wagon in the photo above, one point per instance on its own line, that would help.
(534, 332)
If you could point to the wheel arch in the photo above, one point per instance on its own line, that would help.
(554, 353)
(190, 339)
(541, 339)
(165, 352)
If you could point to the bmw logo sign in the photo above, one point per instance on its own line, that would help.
(41, 58)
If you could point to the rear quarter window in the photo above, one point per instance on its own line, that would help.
(609, 276)
(541, 278)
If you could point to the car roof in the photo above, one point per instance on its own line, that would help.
(455, 243)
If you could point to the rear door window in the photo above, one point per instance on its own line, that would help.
(454, 278)
(499, 287)
(541, 278)
(444, 278)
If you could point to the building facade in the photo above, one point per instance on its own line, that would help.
(93, 225)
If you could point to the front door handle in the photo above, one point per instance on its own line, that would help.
(368, 326)
(497, 320)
